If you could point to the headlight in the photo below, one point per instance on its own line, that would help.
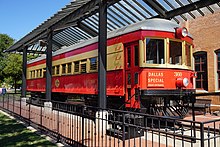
(181, 32)
(182, 82)
(185, 82)
(184, 32)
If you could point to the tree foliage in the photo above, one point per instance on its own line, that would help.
(5, 42)
(10, 64)
(13, 67)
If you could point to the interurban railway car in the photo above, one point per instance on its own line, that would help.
(149, 68)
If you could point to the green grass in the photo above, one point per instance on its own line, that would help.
(15, 134)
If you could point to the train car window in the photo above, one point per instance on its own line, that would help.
(76, 67)
(83, 66)
(129, 57)
(136, 56)
(175, 52)
(154, 51)
(33, 74)
(37, 73)
(63, 68)
(188, 54)
(57, 69)
(40, 74)
(53, 70)
(69, 67)
(30, 75)
(93, 63)
(44, 72)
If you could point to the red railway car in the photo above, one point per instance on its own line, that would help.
(149, 66)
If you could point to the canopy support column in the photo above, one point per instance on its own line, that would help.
(49, 65)
(102, 47)
(24, 73)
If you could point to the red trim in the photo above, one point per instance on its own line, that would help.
(81, 83)
(164, 78)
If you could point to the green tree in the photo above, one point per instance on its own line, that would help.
(13, 68)
(5, 42)
(10, 64)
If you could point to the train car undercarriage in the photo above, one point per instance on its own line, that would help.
(159, 103)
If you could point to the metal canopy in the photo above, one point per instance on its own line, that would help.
(79, 20)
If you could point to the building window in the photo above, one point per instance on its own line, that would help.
(218, 67)
(201, 69)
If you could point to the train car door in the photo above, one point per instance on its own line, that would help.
(132, 75)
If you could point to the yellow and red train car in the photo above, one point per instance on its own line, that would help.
(149, 65)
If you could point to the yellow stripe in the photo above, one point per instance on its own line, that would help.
(115, 59)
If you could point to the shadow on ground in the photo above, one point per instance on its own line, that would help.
(15, 134)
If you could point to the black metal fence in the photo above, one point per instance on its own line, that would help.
(80, 125)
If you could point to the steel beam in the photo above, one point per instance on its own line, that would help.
(102, 43)
(36, 52)
(190, 7)
(156, 7)
(86, 9)
(49, 65)
(24, 73)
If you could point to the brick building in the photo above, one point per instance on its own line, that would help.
(206, 33)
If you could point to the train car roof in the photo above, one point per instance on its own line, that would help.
(156, 24)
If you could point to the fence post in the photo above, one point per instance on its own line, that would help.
(3, 97)
(20, 106)
(8, 102)
(83, 125)
(29, 114)
(123, 129)
(202, 134)
(41, 116)
(58, 127)
(13, 103)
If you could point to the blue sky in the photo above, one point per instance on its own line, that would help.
(19, 17)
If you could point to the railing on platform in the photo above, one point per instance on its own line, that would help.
(80, 125)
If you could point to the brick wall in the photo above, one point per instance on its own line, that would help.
(206, 33)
